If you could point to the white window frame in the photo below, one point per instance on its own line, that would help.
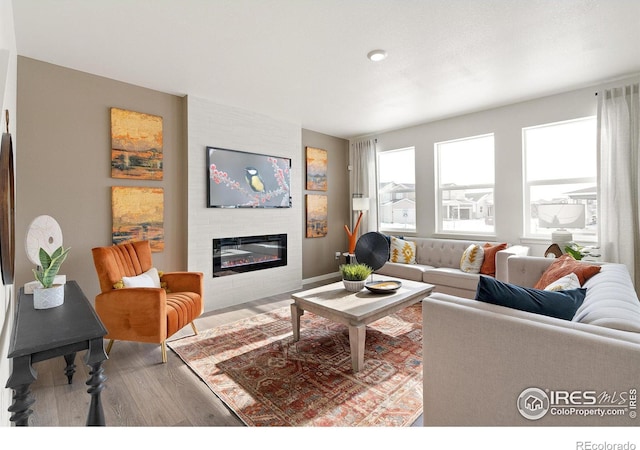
(440, 188)
(381, 213)
(586, 236)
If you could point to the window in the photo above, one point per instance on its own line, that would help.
(397, 190)
(561, 179)
(465, 183)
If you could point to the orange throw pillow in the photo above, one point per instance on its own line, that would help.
(489, 264)
(565, 265)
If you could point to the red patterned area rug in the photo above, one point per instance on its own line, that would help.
(257, 370)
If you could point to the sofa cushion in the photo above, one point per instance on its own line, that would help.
(440, 252)
(446, 276)
(559, 304)
(413, 272)
(472, 258)
(564, 266)
(611, 300)
(489, 262)
(402, 251)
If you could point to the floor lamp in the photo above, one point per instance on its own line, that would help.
(359, 204)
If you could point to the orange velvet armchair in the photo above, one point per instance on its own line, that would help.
(143, 314)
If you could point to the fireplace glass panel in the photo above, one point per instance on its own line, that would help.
(248, 253)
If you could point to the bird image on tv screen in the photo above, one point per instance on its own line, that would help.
(240, 179)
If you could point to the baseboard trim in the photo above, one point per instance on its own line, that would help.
(324, 277)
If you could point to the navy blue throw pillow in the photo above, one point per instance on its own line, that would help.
(560, 304)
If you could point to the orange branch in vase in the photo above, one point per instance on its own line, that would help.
(353, 235)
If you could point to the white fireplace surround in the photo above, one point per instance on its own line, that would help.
(211, 124)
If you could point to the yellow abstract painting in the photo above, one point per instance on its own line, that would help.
(136, 145)
(316, 169)
(316, 215)
(138, 215)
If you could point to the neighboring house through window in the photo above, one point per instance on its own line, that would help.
(464, 185)
(397, 190)
(560, 175)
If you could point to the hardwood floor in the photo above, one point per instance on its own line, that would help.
(140, 391)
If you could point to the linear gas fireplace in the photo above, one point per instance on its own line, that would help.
(244, 254)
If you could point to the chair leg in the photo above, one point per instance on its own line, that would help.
(163, 347)
(193, 325)
(109, 345)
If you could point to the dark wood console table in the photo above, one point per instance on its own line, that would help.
(41, 334)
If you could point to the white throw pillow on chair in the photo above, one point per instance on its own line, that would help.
(150, 278)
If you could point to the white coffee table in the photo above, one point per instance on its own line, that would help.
(355, 309)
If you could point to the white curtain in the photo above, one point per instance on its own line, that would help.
(363, 182)
(619, 183)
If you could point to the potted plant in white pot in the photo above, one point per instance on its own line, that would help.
(49, 295)
(354, 276)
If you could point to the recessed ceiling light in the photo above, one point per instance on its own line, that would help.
(377, 55)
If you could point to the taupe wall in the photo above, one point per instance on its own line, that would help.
(318, 254)
(63, 170)
(63, 166)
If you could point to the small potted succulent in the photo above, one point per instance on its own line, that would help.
(49, 295)
(354, 276)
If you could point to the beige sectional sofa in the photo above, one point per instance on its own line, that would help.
(438, 263)
(482, 361)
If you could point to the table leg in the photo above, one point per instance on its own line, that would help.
(296, 313)
(22, 376)
(94, 357)
(71, 367)
(356, 343)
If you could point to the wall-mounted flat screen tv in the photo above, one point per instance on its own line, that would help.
(238, 179)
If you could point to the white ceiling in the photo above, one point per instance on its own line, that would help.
(304, 61)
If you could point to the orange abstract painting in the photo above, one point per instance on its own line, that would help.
(136, 145)
(316, 169)
(316, 215)
(138, 215)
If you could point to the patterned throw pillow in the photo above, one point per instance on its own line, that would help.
(565, 283)
(472, 259)
(402, 251)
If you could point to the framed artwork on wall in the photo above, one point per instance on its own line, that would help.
(7, 207)
(138, 214)
(316, 169)
(317, 222)
(136, 145)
